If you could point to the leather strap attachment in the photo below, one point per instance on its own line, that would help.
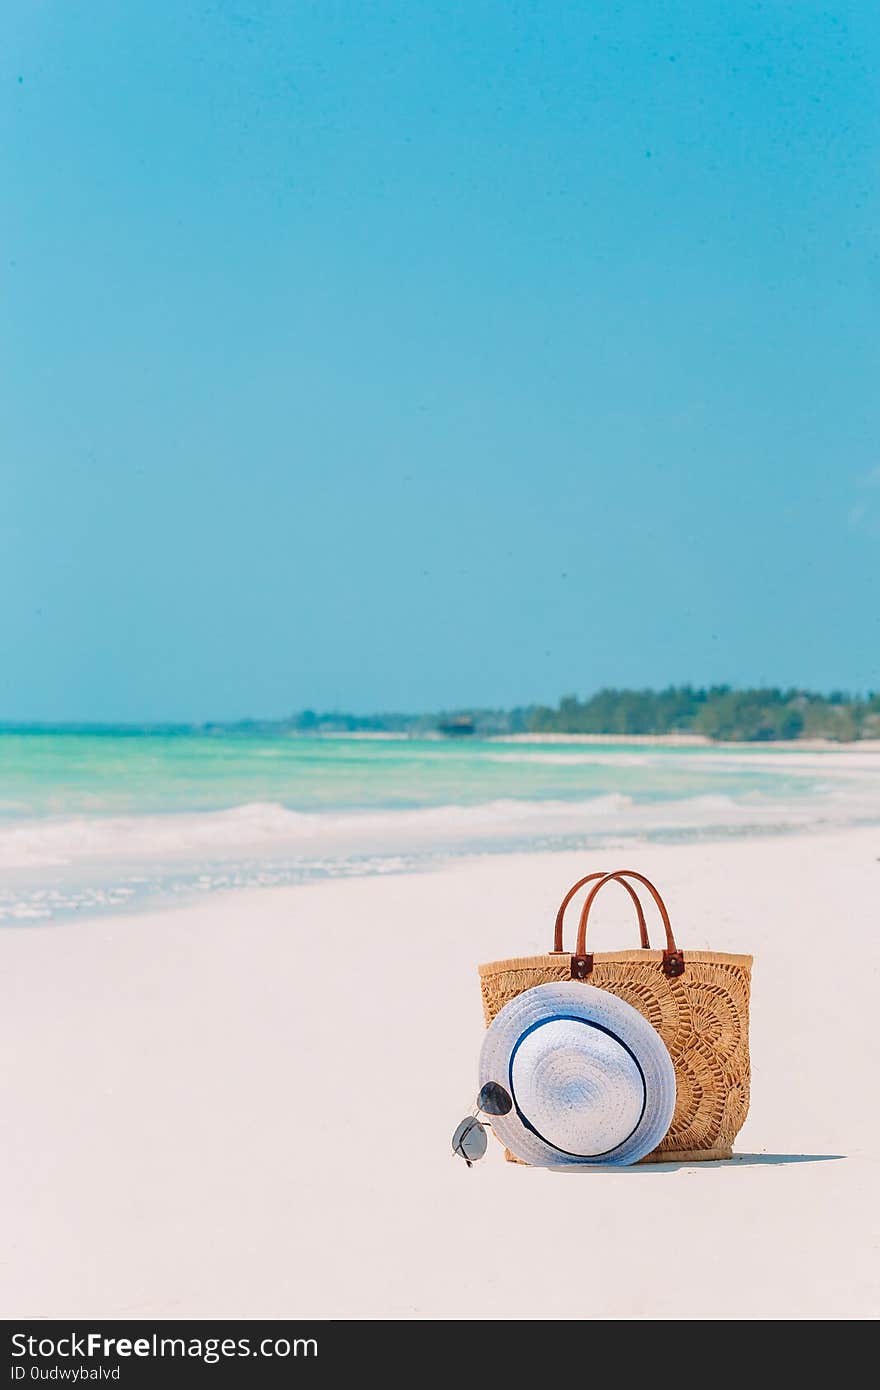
(581, 966)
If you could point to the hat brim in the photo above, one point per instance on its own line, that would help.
(613, 1016)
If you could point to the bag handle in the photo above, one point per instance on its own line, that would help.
(582, 960)
(557, 933)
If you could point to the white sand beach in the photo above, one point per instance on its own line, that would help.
(243, 1107)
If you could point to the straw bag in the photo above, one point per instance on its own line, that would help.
(697, 1000)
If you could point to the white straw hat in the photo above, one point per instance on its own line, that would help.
(591, 1080)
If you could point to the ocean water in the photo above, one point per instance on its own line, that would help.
(102, 822)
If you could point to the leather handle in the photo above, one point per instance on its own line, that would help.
(557, 933)
(582, 963)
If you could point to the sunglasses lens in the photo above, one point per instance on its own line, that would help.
(469, 1140)
(494, 1100)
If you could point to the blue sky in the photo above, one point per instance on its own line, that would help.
(371, 356)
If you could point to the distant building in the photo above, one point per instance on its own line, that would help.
(457, 727)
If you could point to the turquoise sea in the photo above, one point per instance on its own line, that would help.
(91, 822)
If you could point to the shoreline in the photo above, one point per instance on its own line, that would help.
(806, 745)
(674, 740)
(104, 907)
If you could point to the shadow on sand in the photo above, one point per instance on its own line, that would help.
(737, 1161)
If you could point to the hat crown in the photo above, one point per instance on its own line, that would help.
(577, 1085)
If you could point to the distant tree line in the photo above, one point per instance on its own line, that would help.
(717, 712)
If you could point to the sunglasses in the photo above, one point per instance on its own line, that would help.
(469, 1140)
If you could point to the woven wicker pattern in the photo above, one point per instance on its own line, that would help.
(702, 1016)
